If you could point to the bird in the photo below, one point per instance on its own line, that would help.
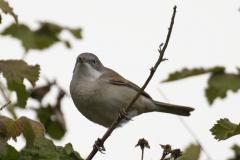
(99, 93)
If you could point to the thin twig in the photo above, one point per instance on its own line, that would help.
(152, 71)
(187, 127)
(5, 105)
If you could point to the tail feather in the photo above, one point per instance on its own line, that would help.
(173, 109)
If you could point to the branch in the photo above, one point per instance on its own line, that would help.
(5, 105)
(152, 71)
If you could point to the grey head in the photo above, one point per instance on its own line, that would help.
(91, 59)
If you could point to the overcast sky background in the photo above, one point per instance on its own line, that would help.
(125, 35)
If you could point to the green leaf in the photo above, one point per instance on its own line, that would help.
(76, 32)
(41, 149)
(7, 10)
(32, 130)
(70, 151)
(184, 73)
(45, 149)
(219, 84)
(192, 152)
(225, 129)
(44, 37)
(15, 71)
(10, 154)
(236, 150)
(67, 44)
(53, 121)
(11, 129)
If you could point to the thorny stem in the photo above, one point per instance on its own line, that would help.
(152, 71)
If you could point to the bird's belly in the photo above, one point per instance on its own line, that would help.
(101, 103)
(89, 100)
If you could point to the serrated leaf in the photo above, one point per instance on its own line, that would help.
(11, 154)
(44, 148)
(219, 84)
(225, 129)
(32, 130)
(7, 10)
(44, 37)
(184, 73)
(11, 129)
(191, 152)
(41, 149)
(15, 71)
(70, 151)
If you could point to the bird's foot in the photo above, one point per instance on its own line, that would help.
(99, 146)
(123, 114)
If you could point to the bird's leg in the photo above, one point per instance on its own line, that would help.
(123, 114)
(99, 146)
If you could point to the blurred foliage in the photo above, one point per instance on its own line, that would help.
(192, 152)
(44, 37)
(225, 129)
(15, 71)
(52, 118)
(236, 150)
(9, 153)
(37, 146)
(185, 73)
(11, 129)
(45, 149)
(4, 6)
(219, 82)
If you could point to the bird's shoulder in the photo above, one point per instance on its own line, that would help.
(116, 79)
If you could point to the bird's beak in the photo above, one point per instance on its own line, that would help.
(82, 60)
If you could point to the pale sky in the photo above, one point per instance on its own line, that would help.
(125, 35)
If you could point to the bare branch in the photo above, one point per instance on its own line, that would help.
(152, 71)
(5, 105)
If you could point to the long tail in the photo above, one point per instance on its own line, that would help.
(173, 109)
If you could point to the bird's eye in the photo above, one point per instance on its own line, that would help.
(94, 61)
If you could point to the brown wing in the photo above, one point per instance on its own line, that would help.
(117, 79)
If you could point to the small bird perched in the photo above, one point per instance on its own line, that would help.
(99, 93)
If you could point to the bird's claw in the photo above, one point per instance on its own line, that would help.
(99, 146)
(123, 114)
